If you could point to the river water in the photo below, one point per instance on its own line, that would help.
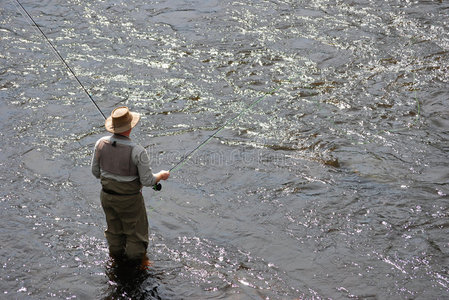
(334, 186)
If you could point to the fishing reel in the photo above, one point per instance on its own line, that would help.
(157, 187)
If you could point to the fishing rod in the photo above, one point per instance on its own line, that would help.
(184, 159)
(232, 120)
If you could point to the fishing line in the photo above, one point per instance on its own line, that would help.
(184, 159)
(60, 57)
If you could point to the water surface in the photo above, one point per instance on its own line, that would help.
(334, 186)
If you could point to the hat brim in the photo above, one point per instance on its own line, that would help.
(110, 127)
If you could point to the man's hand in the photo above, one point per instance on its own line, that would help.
(162, 175)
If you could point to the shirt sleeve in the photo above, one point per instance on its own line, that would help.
(95, 165)
(142, 162)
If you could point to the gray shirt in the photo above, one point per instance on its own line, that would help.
(138, 155)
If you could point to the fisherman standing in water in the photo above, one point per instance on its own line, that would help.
(124, 167)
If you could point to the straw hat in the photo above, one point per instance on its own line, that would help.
(121, 120)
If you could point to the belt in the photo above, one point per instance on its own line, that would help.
(118, 194)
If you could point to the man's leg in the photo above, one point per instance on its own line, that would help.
(114, 232)
(135, 227)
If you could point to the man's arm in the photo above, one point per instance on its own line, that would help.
(147, 178)
(95, 163)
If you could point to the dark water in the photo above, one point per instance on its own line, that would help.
(334, 186)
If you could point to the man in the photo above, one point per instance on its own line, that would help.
(124, 167)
